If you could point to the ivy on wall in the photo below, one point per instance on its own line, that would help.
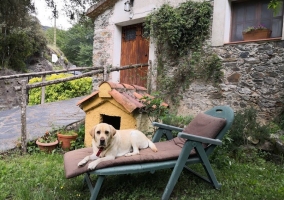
(180, 34)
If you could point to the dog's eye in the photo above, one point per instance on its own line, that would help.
(98, 132)
(107, 132)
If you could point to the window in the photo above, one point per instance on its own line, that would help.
(254, 13)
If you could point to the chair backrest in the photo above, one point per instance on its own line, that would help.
(224, 112)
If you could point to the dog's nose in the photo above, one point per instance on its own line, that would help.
(102, 141)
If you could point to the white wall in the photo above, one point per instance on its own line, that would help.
(121, 18)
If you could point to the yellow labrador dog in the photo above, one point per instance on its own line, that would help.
(109, 143)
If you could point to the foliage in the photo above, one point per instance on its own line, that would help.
(60, 36)
(66, 132)
(15, 48)
(200, 65)
(79, 142)
(18, 43)
(177, 120)
(253, 28)
(154, 107)
(41, 176)
(279, 119)
(246, 125)
(60, 91)
(74, 9)
(48, 137)
(13, 12)
(179, 28)
(77, 44)
(179, 34)
(221, 156)
(275, 5)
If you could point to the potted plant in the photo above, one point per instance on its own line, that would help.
(256, 33)
(66, 137)
(47, 143)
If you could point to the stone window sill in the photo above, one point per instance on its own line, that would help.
(261, 40)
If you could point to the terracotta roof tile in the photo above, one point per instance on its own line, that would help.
(127, 86)
(127, 103)
(113, 85)
(137, 87)
(88, 97)
(128, 96)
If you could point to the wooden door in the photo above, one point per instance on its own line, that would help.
(134, 50)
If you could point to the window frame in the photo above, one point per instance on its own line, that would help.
(221, 25)
(258, 13)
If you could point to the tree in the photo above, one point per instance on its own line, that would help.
(78, 44)
(60, 36)
(12, 15)
(18, 43)
(13, 12)
(75, 9)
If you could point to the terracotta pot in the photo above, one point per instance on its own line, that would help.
(65, 140)
(257, 34)
(47, 147)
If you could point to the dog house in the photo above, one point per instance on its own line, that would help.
(116, 104)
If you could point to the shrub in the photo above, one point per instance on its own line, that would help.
(177, 120)
(60, 91)
(246, 125)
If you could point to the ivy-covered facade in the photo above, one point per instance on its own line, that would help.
(222, 70)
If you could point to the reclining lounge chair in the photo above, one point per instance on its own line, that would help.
(193, 144)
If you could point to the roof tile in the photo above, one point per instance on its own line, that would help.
(128, 96)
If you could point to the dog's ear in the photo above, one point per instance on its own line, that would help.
(112, 130)
(92, 131)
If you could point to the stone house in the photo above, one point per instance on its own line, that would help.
(253, 70)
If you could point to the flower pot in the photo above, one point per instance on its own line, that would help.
(65, 140)
(257, 34)
(47, 147)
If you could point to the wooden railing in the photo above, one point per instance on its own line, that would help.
(24, 87)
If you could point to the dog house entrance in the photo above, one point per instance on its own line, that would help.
(112, 120)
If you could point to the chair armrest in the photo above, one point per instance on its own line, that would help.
(168, 127)
(164, 130)
(199, 138)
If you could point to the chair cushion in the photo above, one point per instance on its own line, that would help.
(72, 158)
(202, 125)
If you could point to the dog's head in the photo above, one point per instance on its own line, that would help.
(102, 134)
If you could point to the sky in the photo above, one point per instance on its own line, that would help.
(44, 14)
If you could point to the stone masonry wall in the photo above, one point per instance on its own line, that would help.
(253, 77)
(102, 48)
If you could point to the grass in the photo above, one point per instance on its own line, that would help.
(41, 176)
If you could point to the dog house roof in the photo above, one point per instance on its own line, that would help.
(129, 96)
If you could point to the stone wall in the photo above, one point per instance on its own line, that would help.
(253, 74)
(9, 97)
(253, 77)
(102, 49)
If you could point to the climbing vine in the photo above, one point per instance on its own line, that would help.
(179, 34)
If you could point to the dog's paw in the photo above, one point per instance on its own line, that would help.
(92, 166)
(128, 154)
(82, 163)
(131, 154)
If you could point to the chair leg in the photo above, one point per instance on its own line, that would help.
(96, 189)
(207, 167)
(177, 170)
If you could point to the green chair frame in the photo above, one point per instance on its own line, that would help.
(184, 159)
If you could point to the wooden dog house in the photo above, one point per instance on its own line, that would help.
(116, 104)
